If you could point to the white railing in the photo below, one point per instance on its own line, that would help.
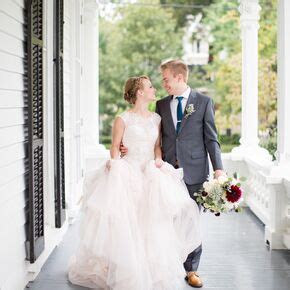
(267, 195)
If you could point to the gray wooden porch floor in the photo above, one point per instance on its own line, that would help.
(234, 257)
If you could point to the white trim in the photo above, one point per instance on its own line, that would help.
(49, 209)
(283, 59)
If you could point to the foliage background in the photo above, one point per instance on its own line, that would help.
(136, 38)
(133, 43)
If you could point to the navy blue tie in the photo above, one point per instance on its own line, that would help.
(179, 113)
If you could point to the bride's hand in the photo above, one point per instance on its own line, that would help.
(108, 165)
(158, 162)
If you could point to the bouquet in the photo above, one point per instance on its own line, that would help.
(221, 195)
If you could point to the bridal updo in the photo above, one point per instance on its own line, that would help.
(131, 87)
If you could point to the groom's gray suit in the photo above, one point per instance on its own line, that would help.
(189, 149)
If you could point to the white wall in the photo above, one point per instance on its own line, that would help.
(72, 104)
(15, 271)
(12, 153)
(68, 89)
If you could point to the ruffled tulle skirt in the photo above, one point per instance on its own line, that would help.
(138, 226)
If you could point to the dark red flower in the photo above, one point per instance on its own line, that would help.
(234, 193)
(204, 193)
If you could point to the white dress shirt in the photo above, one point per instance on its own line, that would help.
(174, 103)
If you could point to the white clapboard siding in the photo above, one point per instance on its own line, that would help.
(12, 9)
(20, 3)
(13, 267)
(11, 45)
(15, 271)
(11, 81)
(11, 26)
(16, 150)
(11, 99)
(12, 249)
(11, 117)
(11, 171)
(14, 206)
(11, 63)
(12, 189)
(11, 135)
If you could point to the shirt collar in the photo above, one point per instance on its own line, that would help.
(185, 94)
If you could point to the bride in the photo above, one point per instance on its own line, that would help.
(139, 222)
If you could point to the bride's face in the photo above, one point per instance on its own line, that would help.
(148, 91)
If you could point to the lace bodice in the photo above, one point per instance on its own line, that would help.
(140, 135)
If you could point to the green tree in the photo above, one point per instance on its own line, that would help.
(228, 94)
(268, 72)
(223, 19)
(133, 43)
(142, 36)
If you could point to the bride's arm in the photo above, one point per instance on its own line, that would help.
(117, 135)
(157, 149)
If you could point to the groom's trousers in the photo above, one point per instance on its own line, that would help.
(192, 260)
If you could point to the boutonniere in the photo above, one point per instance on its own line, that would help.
(189, 110)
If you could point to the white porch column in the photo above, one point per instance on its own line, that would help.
(93, 150)
(249, 10)
(283, 113)
(282, 169)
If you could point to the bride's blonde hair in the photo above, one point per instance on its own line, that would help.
(131, 87)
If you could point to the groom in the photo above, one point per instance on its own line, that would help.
(188, 135)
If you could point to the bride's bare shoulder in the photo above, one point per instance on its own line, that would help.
(122, 117)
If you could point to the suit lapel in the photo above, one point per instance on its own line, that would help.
(191, 100)
(168, 113)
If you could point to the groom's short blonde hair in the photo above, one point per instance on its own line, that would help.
(176, 66)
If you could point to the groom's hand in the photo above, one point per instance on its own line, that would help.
(219, 173)
(123, 150)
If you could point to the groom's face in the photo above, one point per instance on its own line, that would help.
(170, 82)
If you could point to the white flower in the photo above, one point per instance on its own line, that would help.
(229, 206)
(207, 186)
(189, 110)
(222, 179)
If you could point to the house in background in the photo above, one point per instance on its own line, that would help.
(195, 41)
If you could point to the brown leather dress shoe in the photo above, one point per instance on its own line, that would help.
(193, 280)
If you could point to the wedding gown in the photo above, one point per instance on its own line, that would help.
(139, 222)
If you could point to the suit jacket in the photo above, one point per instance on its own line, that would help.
(196, 139)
